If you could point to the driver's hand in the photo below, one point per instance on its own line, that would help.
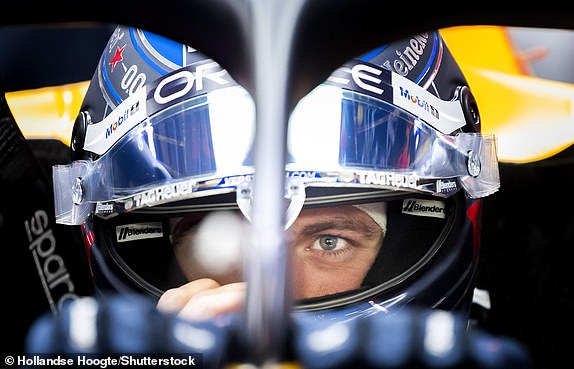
(203, 299)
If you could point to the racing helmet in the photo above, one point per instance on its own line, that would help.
(164, 142)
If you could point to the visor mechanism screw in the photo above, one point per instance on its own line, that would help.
(473, 164)
(245, 192)
(77, 191)
(293, 189)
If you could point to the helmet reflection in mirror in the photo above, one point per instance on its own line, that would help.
(385, 173)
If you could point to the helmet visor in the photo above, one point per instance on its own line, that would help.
(336, 137)
(334, 130)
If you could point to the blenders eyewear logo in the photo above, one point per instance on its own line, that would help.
(425, 208)
(139, 231)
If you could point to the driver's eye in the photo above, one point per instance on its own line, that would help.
(328, 242)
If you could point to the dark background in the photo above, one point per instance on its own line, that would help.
(43, 55)
(525, 262)
(528, 228)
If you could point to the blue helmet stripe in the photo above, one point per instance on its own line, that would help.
(165, 47)
(143, 55)
(374, 53)
(368, 56)
(430, 61)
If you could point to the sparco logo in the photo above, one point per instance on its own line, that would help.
(57, 282)
(425, 208)
(139, 231)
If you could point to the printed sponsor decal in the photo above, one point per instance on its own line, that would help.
(388, 179)
(185, 83)
(234, 181)
(102, 208)
(408, 57)
(169, 192)
(102, 135)
(421, 103)
(147, 100)
(139, 231)
(122, 117)
(381, 83)
(446, 186)
(445, 116)
(364, 77)
(424, 208)
(118, 57)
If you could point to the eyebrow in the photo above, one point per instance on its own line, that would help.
(370, 231)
